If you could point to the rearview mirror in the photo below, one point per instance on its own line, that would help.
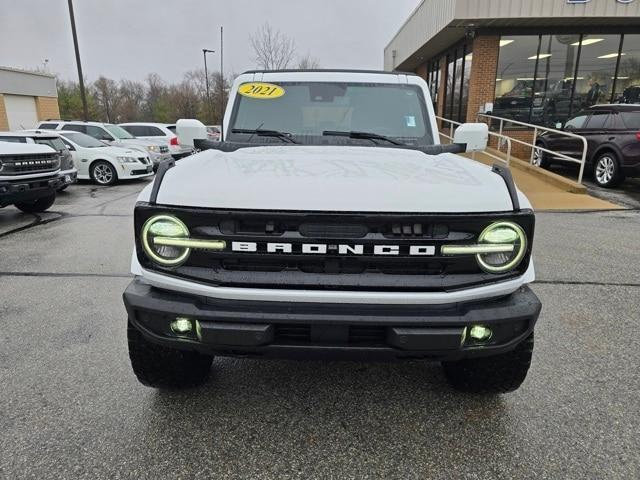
(474, 135)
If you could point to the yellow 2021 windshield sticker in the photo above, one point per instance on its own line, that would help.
(265, 91)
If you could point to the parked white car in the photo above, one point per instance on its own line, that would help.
(112, 135)
(104, 164)
(159, 132)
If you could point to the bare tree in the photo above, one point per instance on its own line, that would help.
(156, 105)
(132, 95)
(107, 95)
(273, 50)
(308, 62)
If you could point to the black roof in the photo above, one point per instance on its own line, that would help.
(330, 70)
(619, 107)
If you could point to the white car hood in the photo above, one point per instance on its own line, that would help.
(334, 178)
(136, 142)
(117, 151)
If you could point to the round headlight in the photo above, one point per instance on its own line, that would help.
(502, 233)
(165, 226)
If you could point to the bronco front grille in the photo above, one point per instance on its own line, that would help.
(27, 164)
(338, 267)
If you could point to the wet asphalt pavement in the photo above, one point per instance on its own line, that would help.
(70, 407)
(627, 194)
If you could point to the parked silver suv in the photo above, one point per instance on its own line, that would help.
(159, 132)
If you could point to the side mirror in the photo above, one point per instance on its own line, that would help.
(474, 135)
(189, 129)
(69, 147)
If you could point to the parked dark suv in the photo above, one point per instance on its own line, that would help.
(613, 136)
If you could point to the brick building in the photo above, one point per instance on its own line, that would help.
(26, 98)
(538, 62)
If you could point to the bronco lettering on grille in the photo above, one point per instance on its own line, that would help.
(340, 249)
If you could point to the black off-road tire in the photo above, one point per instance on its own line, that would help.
(37, 206)
(491, 375)
(166, 368)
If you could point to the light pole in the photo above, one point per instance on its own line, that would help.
(80, 77)
(206, 78)
(222, 103)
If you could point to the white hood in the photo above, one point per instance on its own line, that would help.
(118, 151)
(140, 143)
(334, 178)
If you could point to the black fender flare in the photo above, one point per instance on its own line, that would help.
(606, 147)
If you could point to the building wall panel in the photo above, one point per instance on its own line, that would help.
(428, 19)
(47, 107)
(17, 82)
(4, 120)
(477, 9)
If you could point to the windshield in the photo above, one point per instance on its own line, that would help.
(83, 140)
(55, 143)
(306, 110)
(118, 132)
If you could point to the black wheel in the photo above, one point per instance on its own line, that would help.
(540, 158)
(606, 171)
(166, 368)
(103, 173)
(498, 374)
(37, 206)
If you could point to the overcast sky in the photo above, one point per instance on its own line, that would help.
(131, 38)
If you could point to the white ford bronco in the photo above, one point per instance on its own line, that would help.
(331, 222)
(29, 176)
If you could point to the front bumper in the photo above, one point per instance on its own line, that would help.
(69, 177)
(135, 170)
(156, 158)
(179, 153)
(28, 190)
(295, 329)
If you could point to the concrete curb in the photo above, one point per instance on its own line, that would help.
(554, 179)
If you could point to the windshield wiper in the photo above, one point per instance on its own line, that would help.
(285, 137)
(360, 135)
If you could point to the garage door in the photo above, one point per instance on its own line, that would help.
(21, 111)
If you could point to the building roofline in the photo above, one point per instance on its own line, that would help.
(28, 72)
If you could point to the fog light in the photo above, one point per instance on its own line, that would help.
(181, 326)
(480, 333)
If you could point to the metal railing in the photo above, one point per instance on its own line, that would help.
(502, 140)
(536, 148)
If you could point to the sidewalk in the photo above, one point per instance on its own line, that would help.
(549, 191)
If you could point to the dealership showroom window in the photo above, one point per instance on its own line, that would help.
(543, 79)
